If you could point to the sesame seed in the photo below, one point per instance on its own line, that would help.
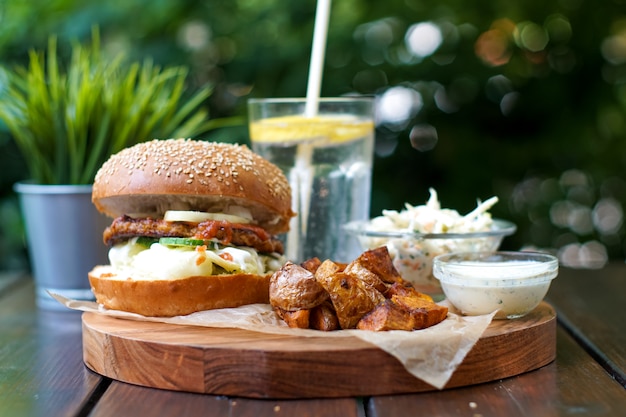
(191, 160)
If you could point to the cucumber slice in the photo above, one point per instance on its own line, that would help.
(182, 241)
(146, 241)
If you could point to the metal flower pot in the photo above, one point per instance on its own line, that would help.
(64, 236)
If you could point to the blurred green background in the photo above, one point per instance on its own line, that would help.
(525, 100)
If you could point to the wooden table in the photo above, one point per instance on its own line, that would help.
(42, 373)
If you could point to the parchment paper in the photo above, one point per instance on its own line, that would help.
(431, 354)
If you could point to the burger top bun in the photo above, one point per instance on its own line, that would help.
(147, 179)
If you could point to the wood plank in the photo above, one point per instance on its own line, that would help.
(41, 368)
(590, 304)
(122, 399)
(572, 385)
(256, 365)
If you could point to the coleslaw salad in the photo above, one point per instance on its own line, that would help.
(415, 235)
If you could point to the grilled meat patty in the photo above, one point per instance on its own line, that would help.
(235, 234)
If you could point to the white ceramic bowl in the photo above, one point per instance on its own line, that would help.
(511, 283)
(413, 252)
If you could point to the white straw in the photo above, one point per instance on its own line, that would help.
(301, 177)
(316, 65)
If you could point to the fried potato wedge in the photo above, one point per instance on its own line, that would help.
(294, 288)
(401, 289)
(424, 313)
(351, 298)
(368, 277)
(298, 319)
(323, 317)
(403, 313)
(380, 263)
(326, 269)
(311, 264)
(368, 293)
(386, 316)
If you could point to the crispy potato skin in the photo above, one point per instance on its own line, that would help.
(351, 297)
(311, 264)
(386, 316)
(298, 319)
(295, 288)
(366, 294)
(323, 317)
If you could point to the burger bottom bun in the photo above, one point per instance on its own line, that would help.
(169, 298)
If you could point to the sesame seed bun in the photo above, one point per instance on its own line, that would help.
(149, 178)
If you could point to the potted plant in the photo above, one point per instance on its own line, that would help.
(66, 121)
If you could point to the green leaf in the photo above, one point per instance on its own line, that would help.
(68, 121)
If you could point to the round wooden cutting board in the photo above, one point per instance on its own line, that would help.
(242, 363)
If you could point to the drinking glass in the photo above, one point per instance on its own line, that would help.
(327, 158)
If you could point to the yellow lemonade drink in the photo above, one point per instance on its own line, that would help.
(328, 160)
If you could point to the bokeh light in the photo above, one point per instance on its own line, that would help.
(194, 35)
(423, 39)
(569, 216)
(423, 137)
(614, 47)
(531, 36)
(397, 106)
(493, 46)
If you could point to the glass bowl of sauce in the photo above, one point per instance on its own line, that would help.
(511, 283)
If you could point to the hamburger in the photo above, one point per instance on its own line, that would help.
(195, 227)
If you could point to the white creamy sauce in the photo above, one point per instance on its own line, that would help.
(488, 273)
(510, 301)
(161, 262)
(480, 287)
(166, 262)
